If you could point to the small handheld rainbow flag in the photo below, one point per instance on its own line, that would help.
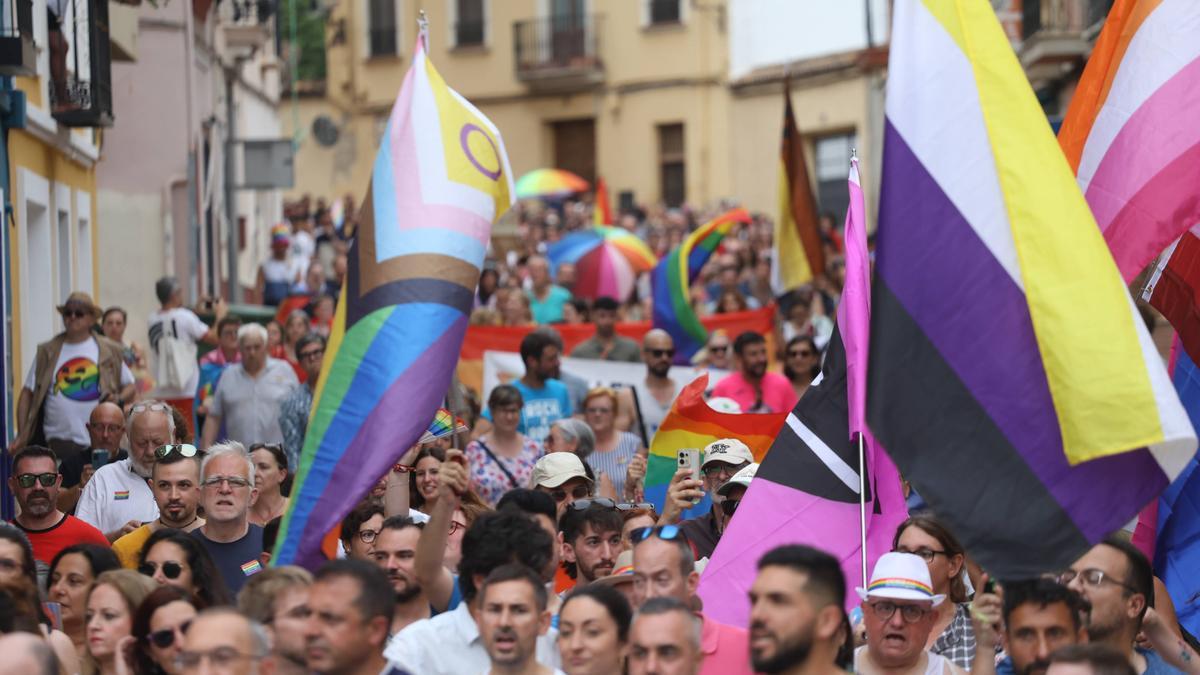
(692, 424)
(444, 423)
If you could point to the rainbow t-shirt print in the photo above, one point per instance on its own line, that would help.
(78, 379)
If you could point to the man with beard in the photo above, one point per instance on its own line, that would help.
(35, 483)
(512, 616)
(351, 610)
(117, 499)
(796, 611)
(655, 393)
(546, 399)
(395, 552)
(1040, 616)
(278, 599)
(591, 539)
(754, 389)
(175, 482)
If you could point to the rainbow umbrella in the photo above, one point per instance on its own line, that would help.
(607, 260)
(550, 184)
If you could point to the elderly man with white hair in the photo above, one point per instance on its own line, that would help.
(250, 392)
(226, 491)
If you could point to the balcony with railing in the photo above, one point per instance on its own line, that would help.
(17, 53)
(559, 52)
(1058, 31)
(245, 24)
(80, 64)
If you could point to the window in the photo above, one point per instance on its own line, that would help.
(63, 248)
(833, 166)
(83, 243)
(469, 24)
(39, 321)
(663, 11)
(381, 19)
(672, 179)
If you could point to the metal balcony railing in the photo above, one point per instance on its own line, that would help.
(1062, 17)
(558, 47)
(17, 54)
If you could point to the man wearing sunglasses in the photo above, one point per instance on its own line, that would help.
(664, 566)
(755, 389)
(723, 459)
(562, 476)
(72, 372)
(655, 392)
(175, 483)
(35, 483)
(1115, 577)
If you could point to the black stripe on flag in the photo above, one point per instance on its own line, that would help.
(813, 452)
(947, 446)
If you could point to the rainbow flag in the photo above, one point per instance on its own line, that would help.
(1131, 133)
(444, 423)
(799, 255)
(674, 275)
(1011, 379)
(601, 212)
(440, 180)
(692, 424)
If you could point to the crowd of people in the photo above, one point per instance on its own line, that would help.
(151, 483)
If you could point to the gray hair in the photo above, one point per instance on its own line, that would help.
(578, 430)
(260, 641)
(666, 605)
(152, 405)
(252, 329)
(227, 447)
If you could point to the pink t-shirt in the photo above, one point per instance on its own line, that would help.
(726, 649)
(777, 393)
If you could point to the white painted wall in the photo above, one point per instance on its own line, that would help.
(770, 32)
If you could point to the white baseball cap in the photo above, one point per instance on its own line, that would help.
(901, 576)
(728, 450)
(556, 468)
(725, 404)
(742, 477)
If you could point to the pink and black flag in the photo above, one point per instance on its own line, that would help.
(807, 489)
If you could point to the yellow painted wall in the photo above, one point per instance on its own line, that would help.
(26, 151)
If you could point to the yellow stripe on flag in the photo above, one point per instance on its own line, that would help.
(1079, 306)
(793, 266)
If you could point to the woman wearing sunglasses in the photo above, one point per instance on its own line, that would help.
(159, 625)
(175, 558)
(110, 607)
(71, 575)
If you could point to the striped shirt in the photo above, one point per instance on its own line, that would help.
(615, 461)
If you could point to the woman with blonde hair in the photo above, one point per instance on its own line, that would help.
(614, 449)
(110, 607)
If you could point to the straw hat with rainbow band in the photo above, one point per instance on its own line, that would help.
(281, 234)
(901, 576)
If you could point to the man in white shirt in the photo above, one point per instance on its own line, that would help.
(174, 332)
(118, 500)
(250, 393)
(450, 643)
(512, 616)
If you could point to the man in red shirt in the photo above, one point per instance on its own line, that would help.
(36, 483)
(755, 389)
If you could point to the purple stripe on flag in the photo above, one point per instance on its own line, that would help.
(978, 319)
(380, 438)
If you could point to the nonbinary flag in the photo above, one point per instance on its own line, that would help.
(1132, 131)
(1011, 378)
(441, 179)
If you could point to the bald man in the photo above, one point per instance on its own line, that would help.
(26, 654)
(106, 428)
(657, 391)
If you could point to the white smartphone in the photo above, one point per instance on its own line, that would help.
(689, 458)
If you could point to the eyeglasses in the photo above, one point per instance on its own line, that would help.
(660, 353)
(221, 658)
(26, 480)
(578, 492)
(455, 526)
(170, 569)
(583, 504)
(667, 532)
(234, 481)
(166, 637)
(910, 613)
(718, 349)
(800, 352)
(367, 536)
(183, 449)
(634, 506)
(106, 428)
(926, 554)
(311, 354)
(729, 506)
(723, 470)
(1092, 577)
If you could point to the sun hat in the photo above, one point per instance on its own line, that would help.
(900, 576)
(728, 450)
(80, 298)
(556, 468)
(742, 477)
(622, 572)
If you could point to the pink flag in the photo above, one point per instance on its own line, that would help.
(854, 311)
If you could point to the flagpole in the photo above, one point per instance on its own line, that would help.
(862, 504)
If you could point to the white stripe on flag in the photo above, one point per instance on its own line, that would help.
(823, 452)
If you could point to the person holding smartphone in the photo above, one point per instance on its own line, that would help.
(106, 428)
